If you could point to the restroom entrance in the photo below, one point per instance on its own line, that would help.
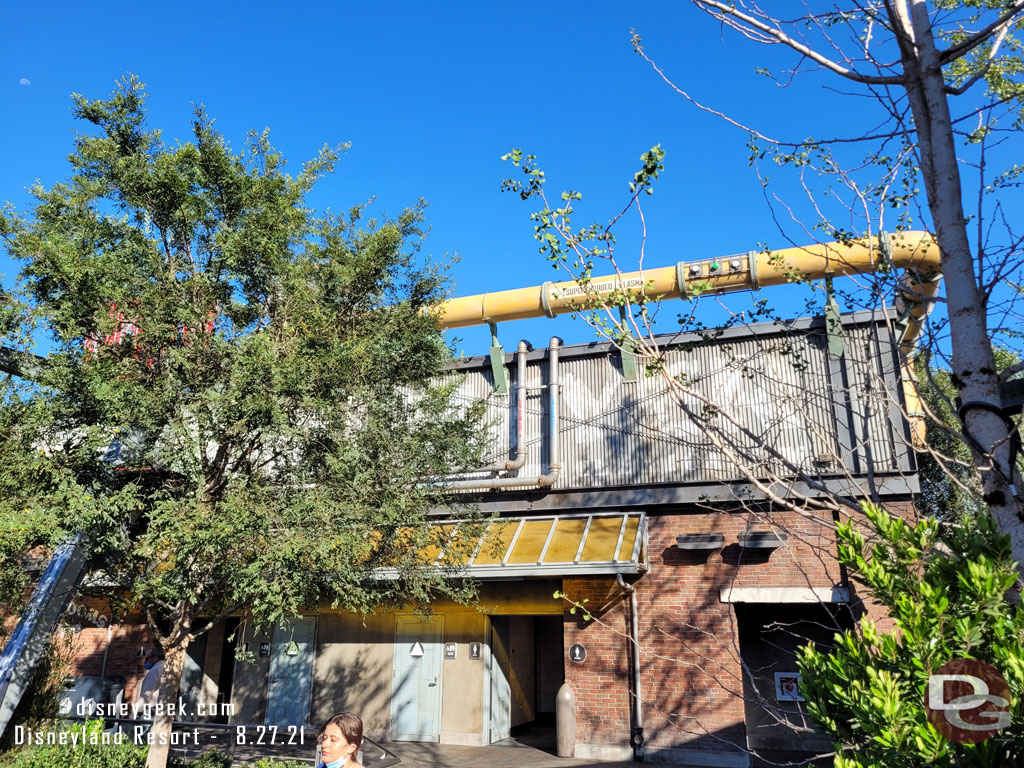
(525, 672)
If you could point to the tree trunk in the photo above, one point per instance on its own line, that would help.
(170, 680)
(974, 369)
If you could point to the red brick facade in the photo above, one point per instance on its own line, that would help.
(691, 675)
(122, 652)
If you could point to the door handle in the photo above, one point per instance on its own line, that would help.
(432, 684)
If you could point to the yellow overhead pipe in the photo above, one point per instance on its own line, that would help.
(916, 253)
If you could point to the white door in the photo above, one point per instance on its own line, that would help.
(501, 688)
(416, 694)
(291, 673)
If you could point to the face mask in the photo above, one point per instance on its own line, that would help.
(336, 764)
(148, 665)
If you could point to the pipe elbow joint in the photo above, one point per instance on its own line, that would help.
(518, 463)
(551, 477)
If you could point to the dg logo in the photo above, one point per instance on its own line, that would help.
(968, 701)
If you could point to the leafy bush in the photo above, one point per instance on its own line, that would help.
(89, 751)
(945, 587)
(209, 759)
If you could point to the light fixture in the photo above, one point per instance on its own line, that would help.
(697, 541)
(763, 539)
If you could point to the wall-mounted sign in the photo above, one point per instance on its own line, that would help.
(577, 653)
(474, 650)
(80, 617)
(787, 686)
(450, 650)
(264, 650)
(417, 650)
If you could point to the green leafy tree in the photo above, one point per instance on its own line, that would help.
(944, 588)
(241, 397)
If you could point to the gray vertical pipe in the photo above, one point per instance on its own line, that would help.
(520, 460)
(554, 385)
(636, 734)
(554, 457)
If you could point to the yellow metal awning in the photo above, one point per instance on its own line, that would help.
(575, 544)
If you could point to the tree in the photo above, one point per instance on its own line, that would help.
(892, 50)
(241, 397)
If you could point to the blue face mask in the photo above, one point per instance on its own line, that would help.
(336, 764)
(148, 665)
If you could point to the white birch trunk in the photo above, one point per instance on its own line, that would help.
(974, 368)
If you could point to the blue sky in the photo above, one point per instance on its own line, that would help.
(431, 95)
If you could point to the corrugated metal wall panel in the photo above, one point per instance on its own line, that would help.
(775, 388)
(866, 349)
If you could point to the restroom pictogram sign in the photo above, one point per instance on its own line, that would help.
(577, 653)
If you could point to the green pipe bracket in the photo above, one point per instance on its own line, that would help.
(833, 322)
(500, 373)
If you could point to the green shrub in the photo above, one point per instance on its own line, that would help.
(89, 751)
(210, 759)
(945, 587)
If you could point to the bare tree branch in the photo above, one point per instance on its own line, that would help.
(735, 19)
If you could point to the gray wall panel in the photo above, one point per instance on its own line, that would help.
(772, 389)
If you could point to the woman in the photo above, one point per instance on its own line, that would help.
(149, 690)
(339, 741)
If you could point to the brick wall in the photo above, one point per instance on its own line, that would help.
(691, 675)
(126, 638)
(601, 683)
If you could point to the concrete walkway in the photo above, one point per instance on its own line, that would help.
(417, 755)
(392, 754)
